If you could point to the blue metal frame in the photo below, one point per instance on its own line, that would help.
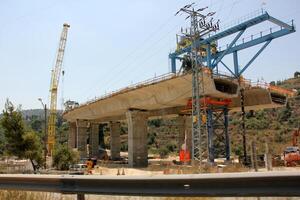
(213, 124)
(213, 60)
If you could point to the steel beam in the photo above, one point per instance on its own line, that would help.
(235, 64)
(217, 60)
(227, 139)
(280, 23)
(210, 136)
(257, 41)
(227, 67)
(255, 184)
(254, 57)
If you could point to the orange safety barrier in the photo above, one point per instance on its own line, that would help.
(184, 155)
(281, 90)
(210, 101)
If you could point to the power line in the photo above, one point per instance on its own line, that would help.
(136, 49)
(136, 61)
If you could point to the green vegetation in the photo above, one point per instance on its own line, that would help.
(19, 141)
(63, 157)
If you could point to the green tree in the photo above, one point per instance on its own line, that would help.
(285, 113)
(36, 124)
(19, 142)
(2, 140)
(63, 157)
(33, 149)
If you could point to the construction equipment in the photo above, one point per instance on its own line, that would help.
(292, 153)
(55, 75)
(183, 41)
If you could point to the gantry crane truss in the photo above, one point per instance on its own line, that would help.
(211, 61)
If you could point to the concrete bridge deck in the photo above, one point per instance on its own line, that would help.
(166, 95)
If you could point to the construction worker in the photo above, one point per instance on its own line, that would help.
(89, 164)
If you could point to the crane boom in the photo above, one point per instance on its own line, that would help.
(55, 75)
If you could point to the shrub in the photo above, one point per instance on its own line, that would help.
(172, 147)
(163, 151)
(124, 146)
(151, 138)
(63, 157)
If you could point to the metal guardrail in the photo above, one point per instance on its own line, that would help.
(217, 185)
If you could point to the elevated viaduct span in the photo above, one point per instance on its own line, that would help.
(169, 94)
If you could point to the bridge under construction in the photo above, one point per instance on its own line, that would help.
(178, 94)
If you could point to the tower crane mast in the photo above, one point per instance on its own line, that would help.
(55, 75)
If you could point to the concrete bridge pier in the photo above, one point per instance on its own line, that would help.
(72, 135)
(94, 140)
(115, 140)
(137, 139)
(81, 138)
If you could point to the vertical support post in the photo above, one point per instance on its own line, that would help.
(82, 138)
(208, 53)
(80, 197)
(101, 136)
(45, 136)
(254, 156)
(72, 135)
(268, 160)
(115, 140)
(210, 130)
(227, 140)
(77, 133)
(137, 139)
(94, 140)
(236, 63)
(173, 64)
(244, 126)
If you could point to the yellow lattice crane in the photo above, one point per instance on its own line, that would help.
(55, 74)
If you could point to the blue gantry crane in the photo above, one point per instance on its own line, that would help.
(212, 60)
(211, 56)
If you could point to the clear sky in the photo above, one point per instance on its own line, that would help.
(112, 44)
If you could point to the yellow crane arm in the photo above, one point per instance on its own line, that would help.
(55, 75)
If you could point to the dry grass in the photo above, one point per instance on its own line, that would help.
(26, 195)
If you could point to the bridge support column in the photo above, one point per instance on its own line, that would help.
(72, 135)
(137, 139)
(115, 140)
(81, 135)
(94, 140)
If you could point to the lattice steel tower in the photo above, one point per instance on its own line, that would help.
(199, 28)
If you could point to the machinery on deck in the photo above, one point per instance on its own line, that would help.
(292, 153)
(55, 75)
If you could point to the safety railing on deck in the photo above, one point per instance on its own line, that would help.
(150, 81)
(256, 35)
